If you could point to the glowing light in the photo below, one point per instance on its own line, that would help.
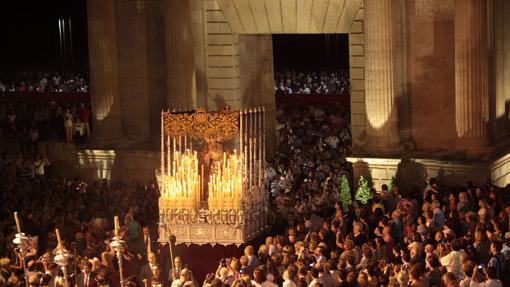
(226, 183)
(181, 182)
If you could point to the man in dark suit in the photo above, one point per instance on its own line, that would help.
(86, 278)
(175, 273)
(146, 271)
(157, 279)
(146, 244)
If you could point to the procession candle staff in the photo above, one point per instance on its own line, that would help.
(21, 241)
(171, 241)
(118, 244)
(62, 257)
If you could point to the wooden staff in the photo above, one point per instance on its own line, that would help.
(170, 244)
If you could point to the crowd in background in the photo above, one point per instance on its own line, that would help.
(24, 123)
(301, 82)
(305, 172)
(43, 81)
(432, 235)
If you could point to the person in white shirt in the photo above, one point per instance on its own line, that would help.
(39, 165)
(452, 261)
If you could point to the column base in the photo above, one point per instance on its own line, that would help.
(474, 147)
(385, 147)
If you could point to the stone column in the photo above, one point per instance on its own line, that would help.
(181, 82)
(256, 69)
(380, 94)
(134, 68)
(471, 99)
(501, 69)
(104, 88)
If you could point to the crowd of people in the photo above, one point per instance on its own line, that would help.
(433, 235)
(300, 82)
(43, 81)
(23, 124)
(304, 176)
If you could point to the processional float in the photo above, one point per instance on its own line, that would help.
(211, 178)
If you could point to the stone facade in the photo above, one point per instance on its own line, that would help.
(150, 55)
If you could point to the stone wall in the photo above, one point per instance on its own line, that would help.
(222, 50)
(410, 172)
(500, 171)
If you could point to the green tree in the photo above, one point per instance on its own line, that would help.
(391, 184)
(345, 192)
(363, 192)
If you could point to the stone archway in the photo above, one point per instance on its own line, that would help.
(237, 48)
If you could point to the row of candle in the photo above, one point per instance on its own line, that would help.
(182, 182)
(226, 183)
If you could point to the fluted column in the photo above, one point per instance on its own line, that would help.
(471, 96)
(380, 94)
(181, 82)
(104, 90)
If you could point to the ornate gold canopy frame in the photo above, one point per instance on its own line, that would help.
(222, 203)
(202, 124)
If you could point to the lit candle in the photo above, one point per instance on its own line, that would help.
(168, 160)
(18, 226)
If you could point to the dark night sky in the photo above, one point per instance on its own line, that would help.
(311, 52)
(29, 32)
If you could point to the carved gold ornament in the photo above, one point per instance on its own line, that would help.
(202, 124)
